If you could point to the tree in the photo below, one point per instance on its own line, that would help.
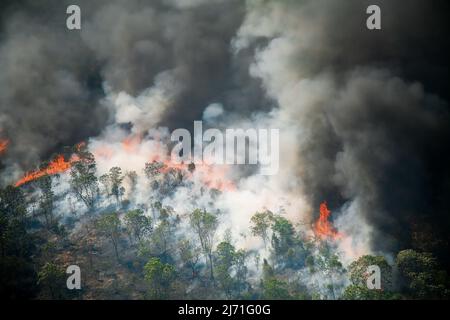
(241, 271)
(137, 224)
(109, 226)
(17, 275)
(104, 180)
(153, 169)
(160, 277)
(288, 249)
(358, 274)
(355, 292)
(422, 275)
(231, 270)
(205, 225)
(225, 255)
(261, 223)
(46, 200)
(327, 262)
(189, 255)
(161, 239)
(282, 235)
(51, 279)
(272, 288)
(116, 178)
(83, 179)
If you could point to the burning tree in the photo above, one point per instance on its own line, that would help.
(323, 227)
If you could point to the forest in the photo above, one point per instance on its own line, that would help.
(128, 249)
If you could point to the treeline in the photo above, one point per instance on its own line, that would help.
(149, 251)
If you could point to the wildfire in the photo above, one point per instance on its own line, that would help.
(138, 150)
(3, 145)
(131, 143)
(58, 165)
(323, 228)
(213, 177)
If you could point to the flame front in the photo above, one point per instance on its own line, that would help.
(212, 176)
(58, 165)
(138, 149)
(323, 227)
(3, 145)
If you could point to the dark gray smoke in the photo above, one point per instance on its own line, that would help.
(51, 80)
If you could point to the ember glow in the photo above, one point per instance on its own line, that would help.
(131, 143)
(3, 145)
(323, 228)
(58, 165)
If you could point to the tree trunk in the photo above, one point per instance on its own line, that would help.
(211, 266)
(115, 249)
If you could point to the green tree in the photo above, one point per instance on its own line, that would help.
(205, 225)
(241, 271)
(230, 269)
(17, 276)
(161, 239)
(422, 275)
(225, 255)
(109, 226)
(52, 280)
(282, 235)
(287, 248)
(273, 288)
(116, 178)
(189, 255)
(137, 224)
(358, 274)
(328, 264)
(261, 223)
(160, 277)
(355, 292)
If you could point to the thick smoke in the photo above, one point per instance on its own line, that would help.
(371, 126)
(364, 114)
(49, 87)
(52, 78)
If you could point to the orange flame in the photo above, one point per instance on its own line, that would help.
(131, 143)
(58, 165)
(323, 228)
(213, 177)
(3, 145)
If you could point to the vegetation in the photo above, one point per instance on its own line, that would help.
(150, 250)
